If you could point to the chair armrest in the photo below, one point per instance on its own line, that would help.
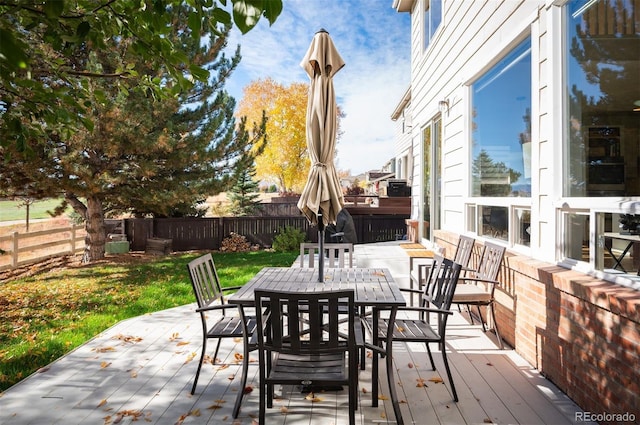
(426, 310)
(232, 288)
(414, 291)
(216, 307)
(477, 279)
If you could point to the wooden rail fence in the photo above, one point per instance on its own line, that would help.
(19, 249)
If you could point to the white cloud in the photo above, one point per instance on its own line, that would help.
(372, 38)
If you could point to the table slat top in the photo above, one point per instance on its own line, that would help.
(373, 286)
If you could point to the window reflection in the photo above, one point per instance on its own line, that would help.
(603, 65)
(502, 127)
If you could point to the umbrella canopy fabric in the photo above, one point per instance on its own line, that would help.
(322, 193)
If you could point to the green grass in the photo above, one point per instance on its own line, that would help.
(47, 315)
(13, 210)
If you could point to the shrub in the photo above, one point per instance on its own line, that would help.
(289, 239)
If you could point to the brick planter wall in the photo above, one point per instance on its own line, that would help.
(580, 332)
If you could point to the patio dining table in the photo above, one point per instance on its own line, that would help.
(373, 287)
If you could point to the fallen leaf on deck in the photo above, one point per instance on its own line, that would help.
(383, 415)
(378, 273)
(383, 397)
(436, 379)
(487, 421)
(248, 389)
(284, 409)
(103, 349)
(410, 365)
(127, 338)
(190, 357)
(223, 366)
(105, 364)
(312, 398)
(364, 390)
(231, 377)
(421, 383)
(102, 402)
(43, 369)
(174, 336)
(489, 364)
(181, 343)
(134, 374)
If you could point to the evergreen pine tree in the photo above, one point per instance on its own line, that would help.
(243, 195)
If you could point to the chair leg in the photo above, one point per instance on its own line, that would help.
(215, 354)
(446, 366)
(195, 381)
(484, 327)
(495, 326)
(433, 365)
(262, 394)
(470, 316)
(243, 380)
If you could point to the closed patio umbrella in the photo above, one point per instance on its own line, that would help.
(321, 198)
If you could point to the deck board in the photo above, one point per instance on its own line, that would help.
(152, 377)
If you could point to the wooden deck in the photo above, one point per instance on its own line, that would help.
(142, 369)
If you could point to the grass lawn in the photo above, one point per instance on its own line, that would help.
(13, 210)
(47, 315)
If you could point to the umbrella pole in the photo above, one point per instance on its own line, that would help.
(320, 248)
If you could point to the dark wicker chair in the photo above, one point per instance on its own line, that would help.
(478, 286)
(412, 324)
(210, 298)
(315, 352)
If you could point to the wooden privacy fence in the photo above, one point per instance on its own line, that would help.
(186, 234)
(207, 233)
(19, 249)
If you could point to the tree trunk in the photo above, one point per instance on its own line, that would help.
(94, 225)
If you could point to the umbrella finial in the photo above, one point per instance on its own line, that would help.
(322, 30)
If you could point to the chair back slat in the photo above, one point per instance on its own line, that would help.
(337, 255)
(205, 281)
(464, 250)
(490, 261)
(442, 281)
(286, 327)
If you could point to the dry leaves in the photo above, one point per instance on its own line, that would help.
(312, 398)
(195, 412)
(127, 338)
(135, 415)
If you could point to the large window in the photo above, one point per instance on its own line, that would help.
(602, 152)
(432, 19)
(501, 126)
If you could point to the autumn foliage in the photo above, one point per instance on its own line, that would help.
(285, 159)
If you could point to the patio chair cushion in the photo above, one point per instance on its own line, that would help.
(470, 293)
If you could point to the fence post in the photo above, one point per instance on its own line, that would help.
(73, 239)
(14, 250)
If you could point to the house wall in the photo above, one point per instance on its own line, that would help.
(579, 331)
(582, 333)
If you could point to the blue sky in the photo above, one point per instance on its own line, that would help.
(374, 41)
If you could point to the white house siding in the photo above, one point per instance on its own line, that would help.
(472, 37)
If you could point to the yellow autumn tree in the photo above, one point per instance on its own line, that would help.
(285, 160)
